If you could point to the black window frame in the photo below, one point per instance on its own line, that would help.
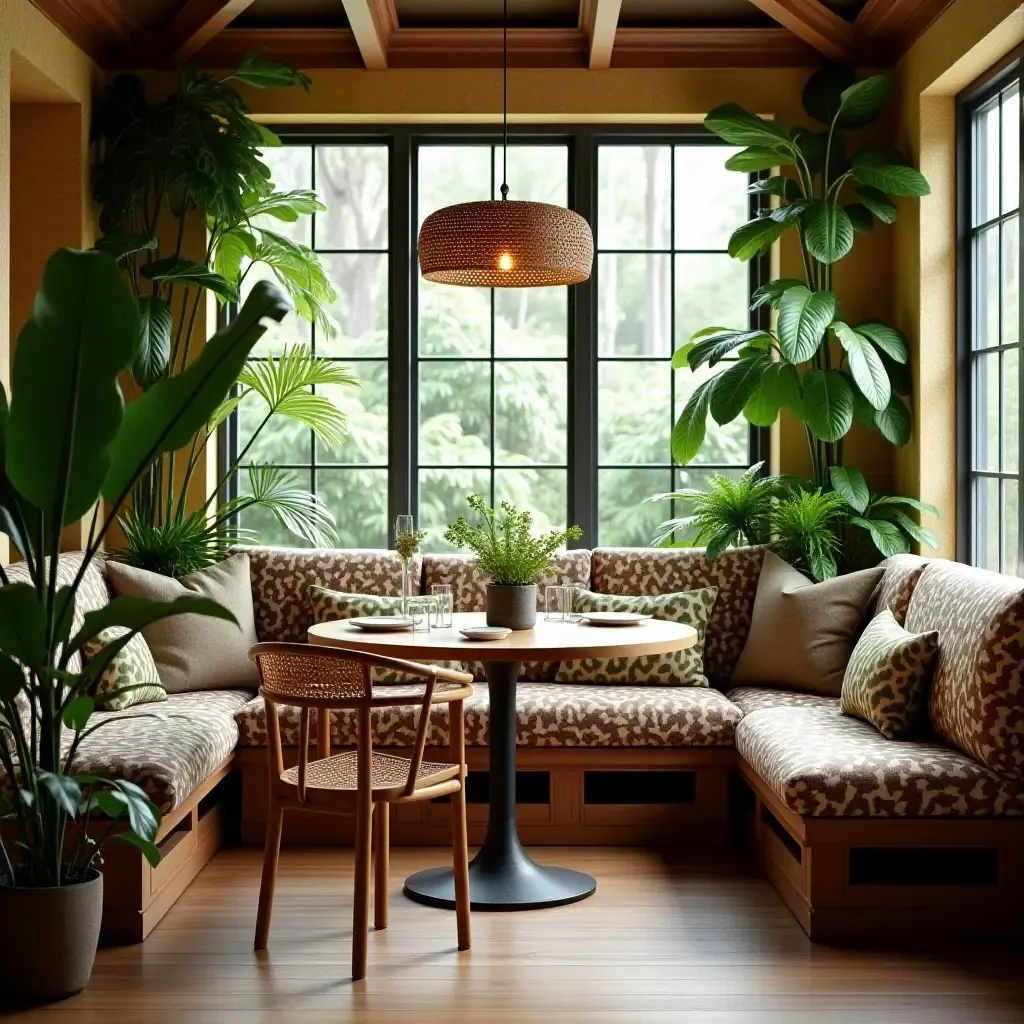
(582, 355)
(969, 540)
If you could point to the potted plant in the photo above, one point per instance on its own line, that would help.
(511, 556)
(196, 157)
(68, 449)
(827, 373)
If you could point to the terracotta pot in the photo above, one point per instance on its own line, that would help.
(49, 938)
(512, 607)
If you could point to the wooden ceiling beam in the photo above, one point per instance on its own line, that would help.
(815, 24)
(886, 29)
(100, 28)
(598, 21)
(196, 24)
(372, 22)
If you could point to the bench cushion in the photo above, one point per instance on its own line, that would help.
(168, 756)
(549, 715)
(753, 698)
(822, 763)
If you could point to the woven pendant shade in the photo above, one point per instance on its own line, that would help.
(505, 243)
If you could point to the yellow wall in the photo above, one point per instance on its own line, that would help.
(968, 39)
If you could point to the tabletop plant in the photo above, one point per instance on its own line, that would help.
(66, 442)
(824, 371)
(161, 170)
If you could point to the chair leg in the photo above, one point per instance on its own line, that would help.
(381, 864)
(460, 858)
(361, 906)
(271, 856)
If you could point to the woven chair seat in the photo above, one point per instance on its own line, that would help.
(341, 772)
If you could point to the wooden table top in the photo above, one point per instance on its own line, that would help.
(548, 641)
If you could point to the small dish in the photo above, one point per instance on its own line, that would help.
(381, 623)
(615, 618)
(485, 632)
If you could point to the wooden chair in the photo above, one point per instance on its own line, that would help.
(362, 782)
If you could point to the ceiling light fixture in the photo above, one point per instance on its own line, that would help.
(504, 243)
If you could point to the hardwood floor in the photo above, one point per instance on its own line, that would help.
(699, 939)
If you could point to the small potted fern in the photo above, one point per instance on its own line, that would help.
(510, 554)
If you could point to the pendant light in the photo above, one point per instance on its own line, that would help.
(505, 243)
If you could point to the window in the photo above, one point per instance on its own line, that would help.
(559, 400)
(991, 326)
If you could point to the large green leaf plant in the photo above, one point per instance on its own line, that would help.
(66, 442)
(826, 372)
(161, 168)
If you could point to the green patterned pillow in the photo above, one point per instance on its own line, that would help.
(133, 666)
(332, 605)
(886, 680)
(679, 668)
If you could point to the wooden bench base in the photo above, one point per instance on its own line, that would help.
(567, 797)
(879, 879)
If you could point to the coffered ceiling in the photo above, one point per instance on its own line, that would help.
(598, 34)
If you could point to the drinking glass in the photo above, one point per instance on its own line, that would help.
(420, 610)
(442, 593)
(554, 604)
(572, 603)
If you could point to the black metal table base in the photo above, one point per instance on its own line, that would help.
(502, 876)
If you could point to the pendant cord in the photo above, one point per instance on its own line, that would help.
(504, 100)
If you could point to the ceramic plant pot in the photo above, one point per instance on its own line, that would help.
(48, 939)
(512, 607)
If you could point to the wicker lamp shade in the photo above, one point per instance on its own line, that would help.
(505, 243)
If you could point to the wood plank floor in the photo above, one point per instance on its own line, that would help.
(695, 939)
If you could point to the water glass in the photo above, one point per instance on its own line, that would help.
(420, 610)
(572, 604)
(442, 593)
(554, 604)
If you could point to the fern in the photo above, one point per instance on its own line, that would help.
(806, 528)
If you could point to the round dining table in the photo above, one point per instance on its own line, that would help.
(502, 875)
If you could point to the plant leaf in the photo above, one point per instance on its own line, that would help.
(739, 127)
(888, 339)
(233, 247)
(715, 347)
(261, 73)
(22, 624)
(758, 158)
(887, 537)
(865, 365)
(154, 340)
(894, 421)
(754, 237)
(12, 679)
(828, 231)
(189, 274)
(779, 386)
(850, 483)
(823, 92)
(896, 179)
(165, 417)
(860, 217)
(149, 850)
(688, 433)
(863, 102)
(771, 292)
(734, 387)
(899, 499)
(791, 211)
(63, 789)
(66, 406)
(776, 185)
(120, 246)
(909, 526)
(828, 403)
(78, 712)
(877, 202)
(298, 511)
(803, 318)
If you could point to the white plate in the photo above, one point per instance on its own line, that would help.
(485, 632)
(614, 618)
(381, 623)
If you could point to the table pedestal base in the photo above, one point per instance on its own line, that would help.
(502, 876)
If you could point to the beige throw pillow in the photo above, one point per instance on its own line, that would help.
(803, 633)
(196, 652)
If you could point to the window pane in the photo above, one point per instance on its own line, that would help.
(361, 309)
(455, 413)
(1011, 410)
(359, 500)
(366, 414)
(634, 209)
(452, 174)
(291, 168)
(634, 411)
(986, 411)
(454, 321)
(542, 491)
(352, 182)
(1011, 279)
(623, 518)
(986, 164)
(281, 442)
(711, 202)
(1011, 149)
(1011, 518)
(530, 412)
(531, 322)
(986, 288)
(986, 522)
(443, 495)
(710, 291)
(729, 443)
(634, 305)
(536, 173)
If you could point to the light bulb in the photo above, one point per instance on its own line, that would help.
(505, 261)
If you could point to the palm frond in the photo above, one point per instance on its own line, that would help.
(298, 511)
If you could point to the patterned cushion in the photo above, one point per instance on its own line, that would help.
(678, 668)
(977, 696)
(548, 715)
(902, 573)
(169, 750)
(887, 677)
(822, 763)
(131, 676)
(753, 698)
(469, 593)
(282, 576)
(667, 570)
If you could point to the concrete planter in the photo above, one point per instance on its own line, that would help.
(512, 607)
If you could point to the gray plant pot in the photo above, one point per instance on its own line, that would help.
(48, 939)
(512, 607)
